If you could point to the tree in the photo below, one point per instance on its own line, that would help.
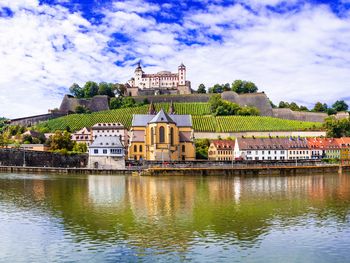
(237, 86)
(80, 147)
(80, 109)
(340, 105)
(90, 89)
(61, 141)
(303, 108)
(226, 87)
(214, 102)
(283, 104)
(105, 89)
(319, 107)
(294, 107)
(250, 87)
(272, 104)
(240, 86)
(217, 88)
(76, 91)
(201, 89)
(337, 128)
(248, 111)
(115, 103)
(202, 146)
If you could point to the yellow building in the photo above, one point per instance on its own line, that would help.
(161, 137)
(221, 150)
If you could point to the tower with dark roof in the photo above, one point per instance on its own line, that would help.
(172, 108)
(152, 109)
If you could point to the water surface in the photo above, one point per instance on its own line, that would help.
(55, 218)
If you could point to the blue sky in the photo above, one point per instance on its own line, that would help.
(293, 50)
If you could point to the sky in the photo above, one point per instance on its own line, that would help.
(292, 50)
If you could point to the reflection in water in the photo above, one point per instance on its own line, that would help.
(178, 218)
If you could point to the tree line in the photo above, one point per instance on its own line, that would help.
(338, 106)
(91, 89)
(238, 86)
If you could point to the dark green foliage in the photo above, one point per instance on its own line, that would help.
(293, 106)
(340, 105)
(90, 89)
(123, 102)
(61, 141)
(105, 89)
(331, 111)
(319, 107)
(242, 86)
(76, 91)
(337, 128)
(217, 88)
(80, 109)
(202, 146)
(201, 89)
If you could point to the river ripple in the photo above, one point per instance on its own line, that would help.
(55, 218)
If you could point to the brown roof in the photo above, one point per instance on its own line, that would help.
(263, 143)
(224, 144)
(185, 136)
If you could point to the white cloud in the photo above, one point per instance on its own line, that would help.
(300, 55)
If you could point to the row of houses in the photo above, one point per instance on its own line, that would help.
(261, 149)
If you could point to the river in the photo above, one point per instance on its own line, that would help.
(64, 218)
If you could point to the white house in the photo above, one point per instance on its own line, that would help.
(261, 149)
(107, 152)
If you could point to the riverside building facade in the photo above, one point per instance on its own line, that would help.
(161, 137)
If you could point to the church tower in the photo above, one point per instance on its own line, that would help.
(182, 75)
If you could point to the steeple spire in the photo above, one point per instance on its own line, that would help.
(152, 109)
(172, 108)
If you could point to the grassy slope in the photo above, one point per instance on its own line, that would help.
(202, 120)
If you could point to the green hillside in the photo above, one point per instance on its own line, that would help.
(202, 120)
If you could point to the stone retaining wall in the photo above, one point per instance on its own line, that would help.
(18, 157)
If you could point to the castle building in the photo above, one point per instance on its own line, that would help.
(161, 137)
(163, 82)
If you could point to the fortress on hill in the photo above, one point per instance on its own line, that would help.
(163, 82)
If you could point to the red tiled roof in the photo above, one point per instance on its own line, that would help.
(323, 143)
(224, 144)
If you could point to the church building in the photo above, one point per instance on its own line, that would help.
(163, 82)
(161, 136)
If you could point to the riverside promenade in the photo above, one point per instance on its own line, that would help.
(247, 170)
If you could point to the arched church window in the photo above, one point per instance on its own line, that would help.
(152, 135)
(161, 134)
(171, 136)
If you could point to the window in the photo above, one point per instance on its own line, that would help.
(95, 151)
(140, 148)
(152, 135)
(171, 136)
(183, 148)
(116, 151)
(161, 134)
(135, 148)
(104, 151)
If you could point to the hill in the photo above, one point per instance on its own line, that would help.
(202, 120)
